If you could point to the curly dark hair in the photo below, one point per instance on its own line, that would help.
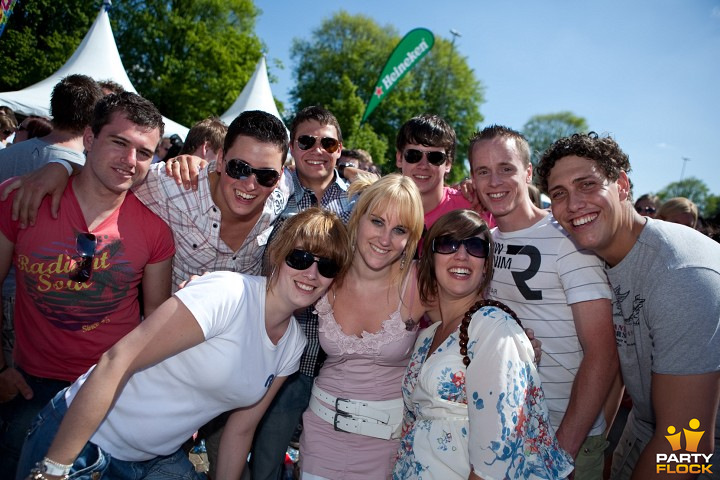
(604, 151)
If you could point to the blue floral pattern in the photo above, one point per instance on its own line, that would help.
(491, 416)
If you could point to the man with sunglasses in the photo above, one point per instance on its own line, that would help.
(80, 275)
(425, 151)
(556, 289)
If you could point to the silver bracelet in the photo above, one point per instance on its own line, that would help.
(51, 467)
(38, 474)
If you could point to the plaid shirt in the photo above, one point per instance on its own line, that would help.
(334, 199)
(195, 222)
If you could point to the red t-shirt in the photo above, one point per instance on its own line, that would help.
(62, 326)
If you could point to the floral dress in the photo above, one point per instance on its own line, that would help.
(491, 416)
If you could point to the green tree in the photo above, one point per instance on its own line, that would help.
(693, 189)
(338, 65)
(190, 57)
(542, 130)
(52, 27)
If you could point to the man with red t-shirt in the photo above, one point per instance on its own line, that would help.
(78, 277)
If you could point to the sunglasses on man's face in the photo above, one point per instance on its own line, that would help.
(645, 210)
(240, 170)
(302, 260)
(85, 245)
(329, 144)
(475, 246)
(8, 132)
(414, 156)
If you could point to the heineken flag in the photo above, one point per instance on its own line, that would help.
(415, 45)
(6, 8)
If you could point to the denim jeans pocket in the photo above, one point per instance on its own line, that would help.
(91, 464)
(54, 411)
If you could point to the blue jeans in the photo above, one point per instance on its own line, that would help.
(94, 463)
(17, 416)
(276, 428)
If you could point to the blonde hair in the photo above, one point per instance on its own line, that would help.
(678, 206)
(315, 230)
(393, 193)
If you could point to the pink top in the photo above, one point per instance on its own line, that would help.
(370, 367)
(452, 200)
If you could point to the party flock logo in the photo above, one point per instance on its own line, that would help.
(690, 462)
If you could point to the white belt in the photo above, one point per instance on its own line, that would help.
(379, 419)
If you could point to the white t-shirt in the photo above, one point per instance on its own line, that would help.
(539, 272)
(163, 405)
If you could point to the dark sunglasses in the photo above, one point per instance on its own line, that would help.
(85, 246)
(240, 170)
(475, 246)
(414, 156)
(645, 209)
(306, 142)
(8, 132)
(302, 260)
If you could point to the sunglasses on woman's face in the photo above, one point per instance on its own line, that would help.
(85, 245)
(414, 156)
(302, 260)
(329, 144)
(475, 246)
(240, 170)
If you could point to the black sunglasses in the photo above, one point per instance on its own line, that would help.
(239, 170)
(645, 209)
(414, 156)
(306, 142)
(475, 246)
(85, 246)
(8, 132)
(302, 260)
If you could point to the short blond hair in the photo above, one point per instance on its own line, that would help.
(678, 206)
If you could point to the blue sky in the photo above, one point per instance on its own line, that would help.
(645, 71)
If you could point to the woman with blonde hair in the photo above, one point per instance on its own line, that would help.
(367, 327)
(679, 210)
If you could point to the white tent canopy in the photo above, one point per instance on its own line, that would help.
(97, 57)
(255, 96)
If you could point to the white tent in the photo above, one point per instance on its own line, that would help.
(255, 96)
(97, 57)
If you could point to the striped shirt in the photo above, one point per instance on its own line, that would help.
(539, 272)
(194, 220)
